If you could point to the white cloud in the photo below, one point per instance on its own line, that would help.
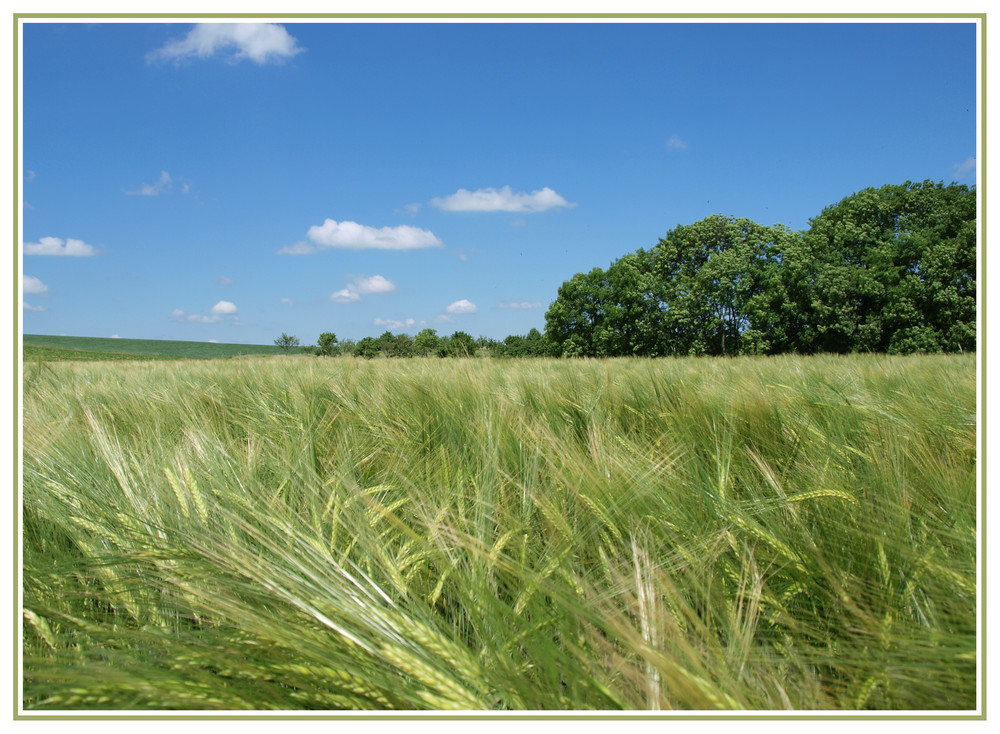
(28, 307)
(299, 248)
(213, 341)
(153, 189)
(462, 306)
(354, 236)
(259, 42)
(676, 143)
(289, 301)
(225, 307)
(197, 318)
(29, 175)
(34, 285)
(521, 304)
(223, 280)
(213, 316)
(363, 285)
(964, 169)
(397, 324)
(500, 200)
(345, 295)
(55, 246)
(115, 336)
(374, 284)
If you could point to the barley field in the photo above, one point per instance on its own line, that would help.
(327, 534)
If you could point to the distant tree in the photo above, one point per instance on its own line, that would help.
(286, 342)
(427, 343)
(395, 345)
(327, 344)
(367, 348)
(461, 344)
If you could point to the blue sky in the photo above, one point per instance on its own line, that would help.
(230, 183)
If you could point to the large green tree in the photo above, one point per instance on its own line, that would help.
(893, 270)
(715, 281)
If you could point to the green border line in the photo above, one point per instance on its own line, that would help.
(485, 716)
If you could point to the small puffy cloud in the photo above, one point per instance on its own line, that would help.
(462, 306)
(374, 284)
(289, 301)
(225, 308)
(520, 304)
(34, 285)
(180, 315)
(213, 341)
(56, 247)
(363, 285)
(223, 280)
(345, 295)
(153, 189)
(354, 236)
(675, 142)
(500, 200)
(966, 169)
(115, 336)
(259, 42)
(396, 324)
(299, 248)
(212, 316)
(29, 307)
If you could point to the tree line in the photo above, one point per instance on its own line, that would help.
(427, 343)
(885, 270)
(891, 270)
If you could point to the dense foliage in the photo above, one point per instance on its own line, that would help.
(885, 270)
(788, 533)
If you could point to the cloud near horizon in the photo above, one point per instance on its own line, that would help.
(214, 315)
(225, 307)
(354, 236)
(521, 304)
(55, 246)
(259, 42)
(363, 286)
(500, 200)
(397, 324)
(462, 306)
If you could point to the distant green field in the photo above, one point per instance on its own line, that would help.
(34, 353)
(137, 347)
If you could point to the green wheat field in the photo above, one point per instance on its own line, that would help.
(324, 534)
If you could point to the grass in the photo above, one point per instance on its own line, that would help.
(136, 347)
(755, 534)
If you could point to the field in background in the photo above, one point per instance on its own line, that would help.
(754, 533)
(163, 348)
